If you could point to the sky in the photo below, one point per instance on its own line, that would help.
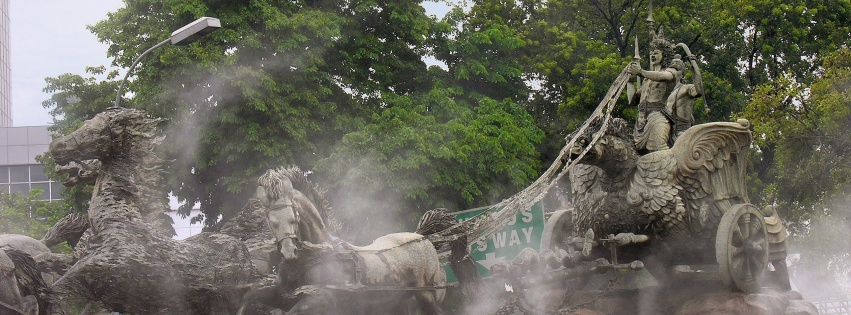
(49, 38)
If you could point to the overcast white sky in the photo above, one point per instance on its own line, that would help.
(49, 38)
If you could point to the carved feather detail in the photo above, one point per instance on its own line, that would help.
(687, 186)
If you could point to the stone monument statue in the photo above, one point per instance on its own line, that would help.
(652, 128)
(130, 265)
(680, 102)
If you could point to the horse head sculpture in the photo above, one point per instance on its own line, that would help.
(109, 134)
(131, 253)
(293, 219)
(283, 221)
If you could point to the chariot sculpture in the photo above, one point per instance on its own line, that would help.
(667, 189)
(689, 203)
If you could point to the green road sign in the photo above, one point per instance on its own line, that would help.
(524, 230)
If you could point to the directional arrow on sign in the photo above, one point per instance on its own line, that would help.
(523, 231)
(490, 260)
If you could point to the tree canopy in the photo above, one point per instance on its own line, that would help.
(806, 127)
(344, 89)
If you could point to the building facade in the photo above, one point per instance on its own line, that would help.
(5, 67)
(19, 171)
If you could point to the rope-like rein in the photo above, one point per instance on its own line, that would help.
(495, 218)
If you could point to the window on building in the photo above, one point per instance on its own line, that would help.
(19, 188)
(56, 191)
(37, 173)
(19, 174)
(45, 190)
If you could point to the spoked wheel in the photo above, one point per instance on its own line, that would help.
(741, 248)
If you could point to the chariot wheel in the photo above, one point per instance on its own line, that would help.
(741, 248)
(557, 230)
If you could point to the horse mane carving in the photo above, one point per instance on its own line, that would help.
(24, 280)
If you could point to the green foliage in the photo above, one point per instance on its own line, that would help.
(433, 151)
(481, 53)
(280, 83)
(789, 37)
(26, 215)
(791, 118)
(804, 128)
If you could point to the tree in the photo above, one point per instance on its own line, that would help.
(318, 83)
(430, 151)
(279, 84)
(26, 215)
(282, 83)
(805, 126)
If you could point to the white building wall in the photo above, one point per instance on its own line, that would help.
(5, 67)
(19, 170)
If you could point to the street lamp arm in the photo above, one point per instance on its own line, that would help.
(121, 86)
(183, 36)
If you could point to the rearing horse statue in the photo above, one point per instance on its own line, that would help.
(130, 266)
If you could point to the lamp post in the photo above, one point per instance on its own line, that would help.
(181, 37)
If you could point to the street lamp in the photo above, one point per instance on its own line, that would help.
(181, 37)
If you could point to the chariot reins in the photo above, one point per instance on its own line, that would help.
(493, 219)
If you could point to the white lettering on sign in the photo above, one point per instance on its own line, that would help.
(527, 232)
(482, 245)
(527, 215)
(506, 238)
(515, 239)
(498, 239)
(520, 231)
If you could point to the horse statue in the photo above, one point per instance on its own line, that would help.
(679, 197)
(131, 265)
(330, 276)
(22, 289)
